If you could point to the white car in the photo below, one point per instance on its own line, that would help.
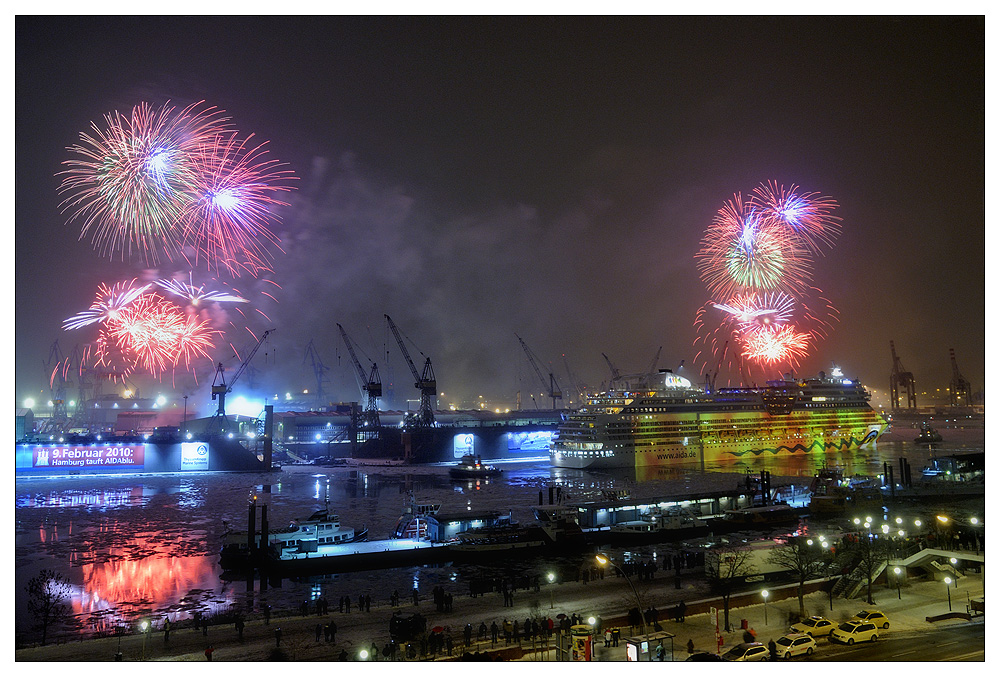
(795, 644)
(855, 631)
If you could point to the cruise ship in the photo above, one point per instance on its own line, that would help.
(676, 423)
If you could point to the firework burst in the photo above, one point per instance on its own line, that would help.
(147, 333)
(806, 216)
(227, 222)
(757, 254)
(130, 183)
(783, 345)
(110, 301)
(196, 296)
(745, 251)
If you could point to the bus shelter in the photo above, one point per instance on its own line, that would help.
(644, 647)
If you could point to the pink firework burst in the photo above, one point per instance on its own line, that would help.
(807, 216)
(227, 224)
(110, 301)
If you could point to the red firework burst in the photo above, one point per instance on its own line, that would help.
(783, 345)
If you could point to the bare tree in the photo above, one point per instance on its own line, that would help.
(726, 568)
(46, 592)
(805, 558)
(867, 553)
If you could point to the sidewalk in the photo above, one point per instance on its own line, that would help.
(608, 598)
(907, 612)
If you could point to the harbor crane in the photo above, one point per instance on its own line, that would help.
(426, 383)
(555, 392)
(372, 383)
(616, 375)
(901, 379)
(960, 391)
(319, 369)
(58, 369)
(220, 388)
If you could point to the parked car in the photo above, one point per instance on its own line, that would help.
(873, 616)
(748, 651)
(795, 644)
(855, 631)
(814, 626)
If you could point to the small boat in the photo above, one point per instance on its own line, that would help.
(472, 467)
(928, 435)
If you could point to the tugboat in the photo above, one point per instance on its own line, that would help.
(928, 435)
(472, 467)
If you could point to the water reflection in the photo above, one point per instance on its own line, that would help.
(117, 590)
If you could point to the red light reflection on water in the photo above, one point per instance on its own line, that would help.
(156, 583)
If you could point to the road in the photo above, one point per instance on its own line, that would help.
(957, 643)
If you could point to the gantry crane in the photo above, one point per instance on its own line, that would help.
(426, 383)
(57, 369)
(372, 383)
(960, 391)
(220, 388)
(900, 378)
(319, 369)
(555, 392)
(616, 375)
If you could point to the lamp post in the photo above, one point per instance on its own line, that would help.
(145, 625)
(765, 593)
(604, 560)
(954, 562)
(898, 571)
(947, 586)
(185, 414)
(552, 577)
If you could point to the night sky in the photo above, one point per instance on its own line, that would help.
(552, 177)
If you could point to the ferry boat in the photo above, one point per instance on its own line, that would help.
(301, 536)
(676, 423)
(657, 525)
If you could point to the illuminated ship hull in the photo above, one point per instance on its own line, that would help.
(677, 424)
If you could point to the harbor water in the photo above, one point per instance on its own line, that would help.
(144, 545)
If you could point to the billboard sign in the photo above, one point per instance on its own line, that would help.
(194, 456)
(128, 456)
(464, 443)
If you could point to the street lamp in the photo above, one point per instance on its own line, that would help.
(363, 654)
(604, 560)
(765, 593)
(954, 563)
(552, 577)
(898, 571)
(145, 625)
(947, 586)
